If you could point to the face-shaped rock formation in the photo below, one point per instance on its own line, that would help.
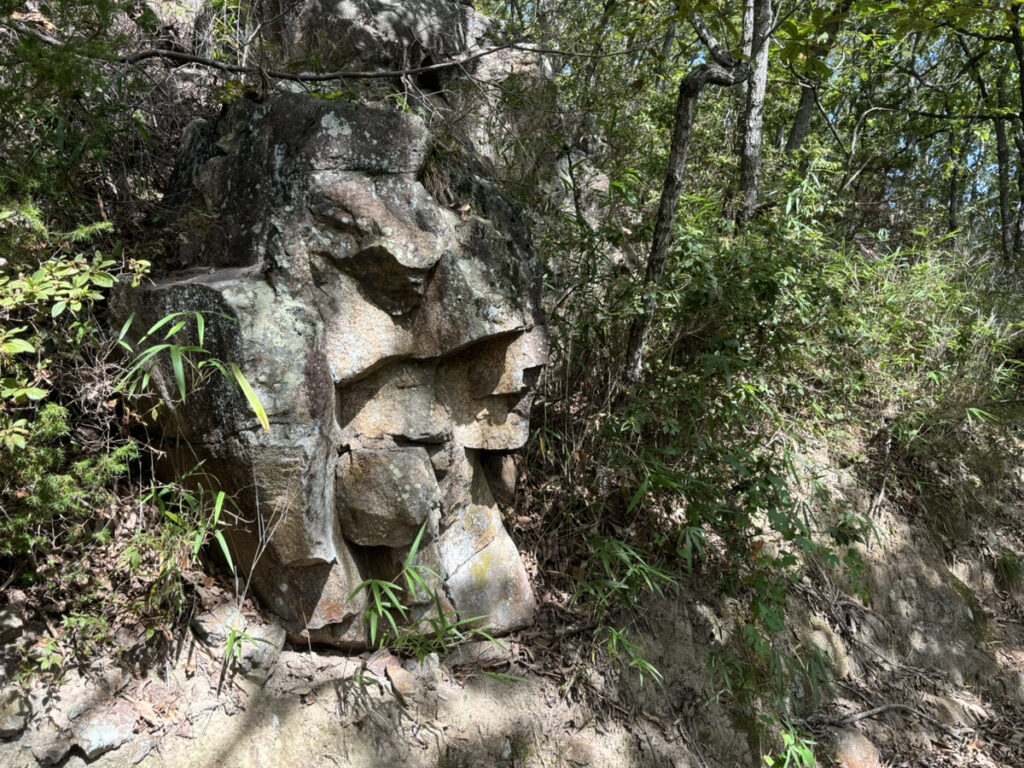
(393, 342)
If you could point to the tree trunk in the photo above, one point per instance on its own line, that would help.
(1018, 216)
(753, 117)
(1018, 49)
(1006, 228)
(668, 45)
(802, 121)
(686, 104)
(1003, 160)
(809, 90)
(747, 50)
(955, 195)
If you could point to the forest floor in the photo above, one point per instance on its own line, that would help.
(512, 706)
(927, 660)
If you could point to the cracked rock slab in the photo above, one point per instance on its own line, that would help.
(486, 578)
(386, 338)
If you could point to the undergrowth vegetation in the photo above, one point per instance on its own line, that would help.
(868, 301)
(766, 342)
(867, 304)
(85, 528)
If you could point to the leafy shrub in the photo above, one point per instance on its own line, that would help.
(67, 457)
(57, 391)
(1009, 571)
(762, 339)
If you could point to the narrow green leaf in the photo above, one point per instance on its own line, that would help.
(373, 628)
(161, 323)
(641, 492)
(250, 395)
(415, 548)
(218, 506)
(174, 329)
(219, 536)
(125, 327)
(179, 370)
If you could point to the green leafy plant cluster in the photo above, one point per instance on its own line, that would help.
(797, 751)
(191, 363)
(188, 517)
(71, 469)
(391, 604)
(63, 101)
(52, 481)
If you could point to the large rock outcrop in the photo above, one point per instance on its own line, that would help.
(393, 342)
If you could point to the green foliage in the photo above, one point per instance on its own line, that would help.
(48, 496)
(237, 639)
(797, 751)
(863, 300)
(184, 359)
(191, 515)
(619, 645)
(59, 110)
(64, 457)
(795, 328)
(390, 608)
(52, 484)
(1009, 568)
(622, 573)
(235, 32)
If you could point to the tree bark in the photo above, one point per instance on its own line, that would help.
(1018, 222)
(809, 90)
(747, 51)
(753, 117)
(1003, 160)
(668, 45)
(1018, 48)
(954, 193)
(731, 73)
(1006, 227)
(953, 204)
(802, 121)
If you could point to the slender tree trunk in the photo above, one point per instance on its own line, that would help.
(802, 120)
(1003, 160)
(686, 105)
(1018, 222)
(731, 73)
(1006, 228)
(954, 197)
(1018, 49)
(668, 45)
(747, 49)
(753, 117)
(809, 90)
(953, 204)
(602, 28)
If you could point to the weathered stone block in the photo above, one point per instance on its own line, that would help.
(388, 339)
(386, 496)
